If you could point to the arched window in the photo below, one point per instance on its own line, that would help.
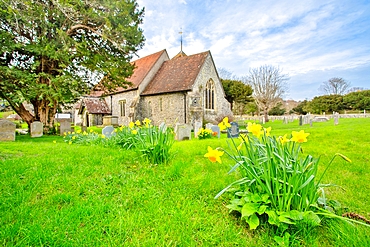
(209, 95)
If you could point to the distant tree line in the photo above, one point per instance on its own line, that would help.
(354, 101)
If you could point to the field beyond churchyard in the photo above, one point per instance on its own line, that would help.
(56, 194)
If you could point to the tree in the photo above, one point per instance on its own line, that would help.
(237, 92)
(52, 51)
(335, 85)
(325, 103)
(269, 85)
(300, 108)
(277, 110)
(357, 100)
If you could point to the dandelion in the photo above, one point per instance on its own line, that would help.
(131, 125)
(255, 129)
(299, 136)
(102, 136)
(214, 155)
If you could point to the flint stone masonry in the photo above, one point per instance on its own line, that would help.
(183, 132)
(7, 130)
(108, 131)
(37, 129)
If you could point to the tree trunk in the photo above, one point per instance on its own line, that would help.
(45, 112)
(265, 114)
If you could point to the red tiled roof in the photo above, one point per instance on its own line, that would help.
(142, 68)
(95, 106)
(177, 74)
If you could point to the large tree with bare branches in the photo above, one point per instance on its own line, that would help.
(51, 50)
(269, 86)
(335, 86)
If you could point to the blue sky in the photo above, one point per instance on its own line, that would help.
(311, 41)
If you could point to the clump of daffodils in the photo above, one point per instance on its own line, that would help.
(204, 133)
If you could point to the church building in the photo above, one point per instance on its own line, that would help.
(184, 89)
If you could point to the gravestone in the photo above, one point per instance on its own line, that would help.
(37, 129)
(336, 119)
(233, 131)
(65, 125)
(320, 119)
(216, 129)
(209, 126)
(182, 132)
(197, 126)
(108, 131)
(162, 127)
(285, 120)
(7, 130)
(300, 120)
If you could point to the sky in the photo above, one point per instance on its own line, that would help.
(311, 41)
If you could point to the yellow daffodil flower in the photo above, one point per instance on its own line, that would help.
(134, 132)
(78, 131)
(283, 139)
(73, 137)
(240, 146)
(267, 131)
(214, 155)
(131, 125)
(91, 130)
(70, 142)
(254, 128)
(137, 123)
(299, 136)
(147, 122)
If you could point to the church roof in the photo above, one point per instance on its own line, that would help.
(177, 74)
(94, 106)
(142, 67)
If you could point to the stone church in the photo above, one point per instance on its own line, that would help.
(184, 89)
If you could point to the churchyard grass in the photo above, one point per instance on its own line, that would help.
(55, 194)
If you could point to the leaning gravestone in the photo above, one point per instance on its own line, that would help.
(197, 127)
(233, 131)
(7, 130)
(216, 129)
(108, 131)
(182, 132)
(37, 129)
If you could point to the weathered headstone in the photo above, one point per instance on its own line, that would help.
(336, 119)
(197, 126)
(65, 125)
(7, 130)
(108, 131)
(37, 129)
(216, 129)
(209, 126)
(285, 121)
(300, 120)
(182, 132)
(321, 119)
(233, 131)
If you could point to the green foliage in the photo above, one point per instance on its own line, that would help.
(325, 103)
(357, 100)
(52, 52)
(277, 110)
(300, 108)
(204, 134)
(237, 92)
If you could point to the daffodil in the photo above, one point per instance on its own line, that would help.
(224, 124)
(134, 132)
(283, 139)
(267, 131)
(137, 123)
(240, 146)
(147, 122)
(70, 142)
(78, 131)
(131, 125)
(255, 129)
(54, 141)
(91, 130)
(73, 137)
(299, 136)
(214, 155)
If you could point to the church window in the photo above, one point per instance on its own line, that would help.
(122, 107)
(209, 95)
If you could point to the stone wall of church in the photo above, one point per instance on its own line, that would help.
(222, 106)
(168, 108)
(128, 99)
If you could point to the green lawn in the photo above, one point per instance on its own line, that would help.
(55, 194)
